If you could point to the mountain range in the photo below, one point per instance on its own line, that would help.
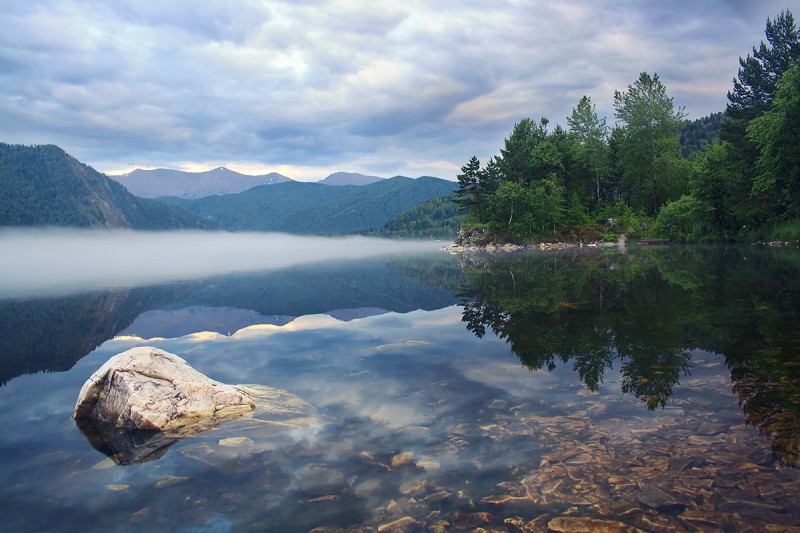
(219, 181)
(44, 186)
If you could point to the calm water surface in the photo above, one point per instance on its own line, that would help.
(656, 389)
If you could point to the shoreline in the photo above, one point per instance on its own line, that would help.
(541, 246)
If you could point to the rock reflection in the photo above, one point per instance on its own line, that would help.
(647, 310)
(126, 446)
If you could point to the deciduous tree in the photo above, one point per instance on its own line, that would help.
(650, 143)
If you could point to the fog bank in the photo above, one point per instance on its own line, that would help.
(42, 262)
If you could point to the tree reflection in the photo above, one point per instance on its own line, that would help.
(645, 311)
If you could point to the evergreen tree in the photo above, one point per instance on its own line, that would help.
(757, 79)
(590, 146)
(469, 195)
(753, 92)
(516, 155)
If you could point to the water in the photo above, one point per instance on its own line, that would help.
(655, 388)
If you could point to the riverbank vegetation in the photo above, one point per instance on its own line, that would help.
(730, 176)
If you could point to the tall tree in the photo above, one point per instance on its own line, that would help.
(517, 153)
(650, 147)
(753, 92)
(590, 135)
(777, 134)
(468, 195)
(757, 80)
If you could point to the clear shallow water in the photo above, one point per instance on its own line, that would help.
(449, 394)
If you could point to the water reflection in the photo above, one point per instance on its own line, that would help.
(648, 310)
(415, 423)
(53, 333)
(125, 446)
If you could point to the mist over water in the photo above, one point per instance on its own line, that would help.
(46, 262)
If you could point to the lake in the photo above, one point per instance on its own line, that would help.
(603, 389)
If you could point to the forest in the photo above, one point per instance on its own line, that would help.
(652, 173)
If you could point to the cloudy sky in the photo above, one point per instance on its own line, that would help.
(309, 87)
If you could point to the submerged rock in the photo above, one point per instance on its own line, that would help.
(135, 406)
(147, 388)
(140, 402)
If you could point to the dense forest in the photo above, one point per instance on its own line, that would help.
(731, 176)
(437, 218)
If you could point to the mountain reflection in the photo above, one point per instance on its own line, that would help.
(646, 311)
(52, 333)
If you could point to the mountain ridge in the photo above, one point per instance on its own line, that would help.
(349, 178)
(42, 185)
(160, 182)
(170, 182)
(315, 208)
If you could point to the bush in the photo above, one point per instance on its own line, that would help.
(684, 219)
(626, 220)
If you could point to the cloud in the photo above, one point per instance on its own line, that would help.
(410, 87)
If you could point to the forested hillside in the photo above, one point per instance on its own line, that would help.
(637, 176)
(45, 186)
(437, 218)
(314, 208)
(697, 135)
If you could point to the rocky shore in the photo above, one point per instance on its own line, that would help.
(481, 239)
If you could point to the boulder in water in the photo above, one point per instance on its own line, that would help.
(150, 389)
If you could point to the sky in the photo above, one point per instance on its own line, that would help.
(311, 87)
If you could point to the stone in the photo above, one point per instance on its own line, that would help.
(403, 459)
(168, 481)
(318, 480)
(588, 525)
(149, 389)
(399, 525)
(140, 402)
(235, 442)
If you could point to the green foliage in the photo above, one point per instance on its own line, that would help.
(777, 135)
(437, 218)
(649, 147)
(589, 135)
(474, 187)
(698, 135)
(551, 184)
(711, 184)
(754, 191)
(685, 219)
(788, 231)
(619, 218)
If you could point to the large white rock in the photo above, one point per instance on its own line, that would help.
(147, 388)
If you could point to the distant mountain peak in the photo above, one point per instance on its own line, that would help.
(167, 182)
(350, 178)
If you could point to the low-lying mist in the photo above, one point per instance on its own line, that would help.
(45, 262)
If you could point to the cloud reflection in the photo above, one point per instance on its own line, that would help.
(46, 262)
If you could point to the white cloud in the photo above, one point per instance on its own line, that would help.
(311, 87)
